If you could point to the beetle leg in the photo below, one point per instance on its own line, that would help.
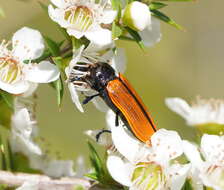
(89, 98)
(117, 119)
(100, 133)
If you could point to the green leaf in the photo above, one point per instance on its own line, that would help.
(126, 38)
(116, 4)
(10, 157)
(116, 31)
(136, 37)
(187, 185)
(96, 161)
(76, 43)
(53, 46)
(92, 176)
(2, 13)
(8, 98)
(3, 156)
(64, 33)
(59, 87)
(6, 113)
(156, 5)
(166, 19)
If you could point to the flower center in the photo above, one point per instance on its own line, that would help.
(80, 17)
(9, 70)
(148, 176)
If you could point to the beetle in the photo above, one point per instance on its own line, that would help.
(117, 93)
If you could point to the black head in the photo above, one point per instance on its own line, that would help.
(99, 75)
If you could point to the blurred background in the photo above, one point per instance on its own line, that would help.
(184, 64)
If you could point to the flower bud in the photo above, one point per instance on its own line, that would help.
(137, 16)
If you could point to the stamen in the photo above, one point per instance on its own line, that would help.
(80, 17)
(10, 72)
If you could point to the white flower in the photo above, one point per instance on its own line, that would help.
(84, 18)
(144, 167)
(16, 77)
(131, 19)
(21, 141)
(208, 114)
(116, 60)
(210, 168)
(22, 133)
(138, 17)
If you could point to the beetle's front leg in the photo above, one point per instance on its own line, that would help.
(89, 98)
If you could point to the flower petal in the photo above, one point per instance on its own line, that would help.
(75, 97)
(27, 44)
(192, 154)
(125, 143)
(121, 170)
(179, 106)
(57, 15)
(179, 174)
(151, 35)
(44, 72)
(100, 36)
(22, 131)
(32, 88)
(167, 145)
(117, 59)
(58, 3)
(16, 88)
(100, 104)
(213, 149)
(75, 33)
(109, 16)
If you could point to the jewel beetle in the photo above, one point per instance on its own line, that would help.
(117, 93)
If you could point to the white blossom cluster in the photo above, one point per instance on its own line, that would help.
(167, 162)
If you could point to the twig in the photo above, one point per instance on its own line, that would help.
(44, 182)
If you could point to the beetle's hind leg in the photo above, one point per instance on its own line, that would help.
(117, 118)
(89, 98)
(100, 133)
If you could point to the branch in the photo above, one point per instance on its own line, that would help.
(44, 182)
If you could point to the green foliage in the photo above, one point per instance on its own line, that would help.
(6, 111)
(165, 19)
(116, 31)
(3, 155)
(59, 88)
(156, 5)
(187, 185)
(8, 99)
(100, 174)
(136, 37)
(116, 5)
(52, 46)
